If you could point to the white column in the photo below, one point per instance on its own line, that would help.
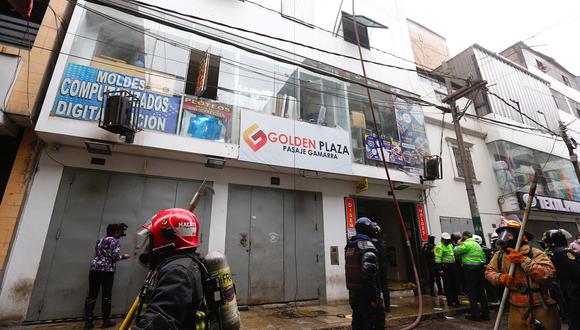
(219, 214)
(26, 251)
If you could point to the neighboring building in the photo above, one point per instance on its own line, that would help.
(29, 43)
(564, 86)
(518, 142)
(292, 125)
(534, 60)
(429, 48)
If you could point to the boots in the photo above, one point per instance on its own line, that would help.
(89, 307)
(107, 314)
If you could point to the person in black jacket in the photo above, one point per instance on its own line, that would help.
(172, 295)
(362, 279)
(567, 264)
(379, 241)
(433, 275)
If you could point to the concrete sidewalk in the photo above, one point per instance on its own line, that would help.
(404, 311)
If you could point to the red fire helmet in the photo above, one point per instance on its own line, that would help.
(177, 226)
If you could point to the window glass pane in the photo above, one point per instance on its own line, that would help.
(514, 167)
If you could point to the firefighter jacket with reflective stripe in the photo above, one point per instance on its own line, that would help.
(537, 267)
(470, 252)
(444, 254)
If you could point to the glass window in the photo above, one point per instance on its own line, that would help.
(15, 29)
(514, 168)
(299, 10)
(459, 165)
(348, 33)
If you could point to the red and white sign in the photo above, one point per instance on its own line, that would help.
(278, 141)
(422, 222)
(350, 208)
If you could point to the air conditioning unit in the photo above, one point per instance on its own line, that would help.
(120, 114)
(432, 168)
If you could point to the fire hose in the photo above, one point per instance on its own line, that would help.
(391, 186)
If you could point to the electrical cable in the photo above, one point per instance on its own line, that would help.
(391, 186)
(520, 112)
(426, 68)
(238, 45)
(163, 9)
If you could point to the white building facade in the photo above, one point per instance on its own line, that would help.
(291, 123)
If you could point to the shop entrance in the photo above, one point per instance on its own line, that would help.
(538, 227)
(86, 203)
(383, 212)
(274, 244)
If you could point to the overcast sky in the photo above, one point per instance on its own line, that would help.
(497, 24)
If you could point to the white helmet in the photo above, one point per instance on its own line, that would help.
(478, 239)
(445, 236)
(494, 237)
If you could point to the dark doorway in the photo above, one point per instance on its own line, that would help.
(8, 149)
(383, 212)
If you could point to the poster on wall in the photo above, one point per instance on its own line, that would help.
(81, 91)
(411, 144)
(350, 209)
(279, 141)
(413, 139)
(391, 149)
(422, 222)
(204, 118)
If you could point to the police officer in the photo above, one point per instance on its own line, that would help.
(473, 261)
(172, 294)
(445, 264)
(379, 242)
(530, 303)
(493, 241)
(567, 264)
(362, 278)
(434, 277)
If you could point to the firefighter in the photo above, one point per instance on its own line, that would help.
(445, 264)
(379, 242)
(567, 264)
(533, 273)
(362, 278)
(102, 273)
(473, 261)
(172, 295)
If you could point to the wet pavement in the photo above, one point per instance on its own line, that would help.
(403, 312)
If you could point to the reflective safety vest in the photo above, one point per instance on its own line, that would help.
(470, 252)
(444, 254)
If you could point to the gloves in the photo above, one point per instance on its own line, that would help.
(508, 281)
(515, 257)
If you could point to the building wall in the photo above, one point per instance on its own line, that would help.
(15, 192)
(441, 135)
(34, 63)
(550, 69)
(36, 215)
(429, 48)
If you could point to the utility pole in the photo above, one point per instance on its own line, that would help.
(465, 161)
(571, 147)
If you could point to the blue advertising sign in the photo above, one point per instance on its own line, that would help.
(80, 96)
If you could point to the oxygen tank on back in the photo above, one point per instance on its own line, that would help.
(223, 294)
